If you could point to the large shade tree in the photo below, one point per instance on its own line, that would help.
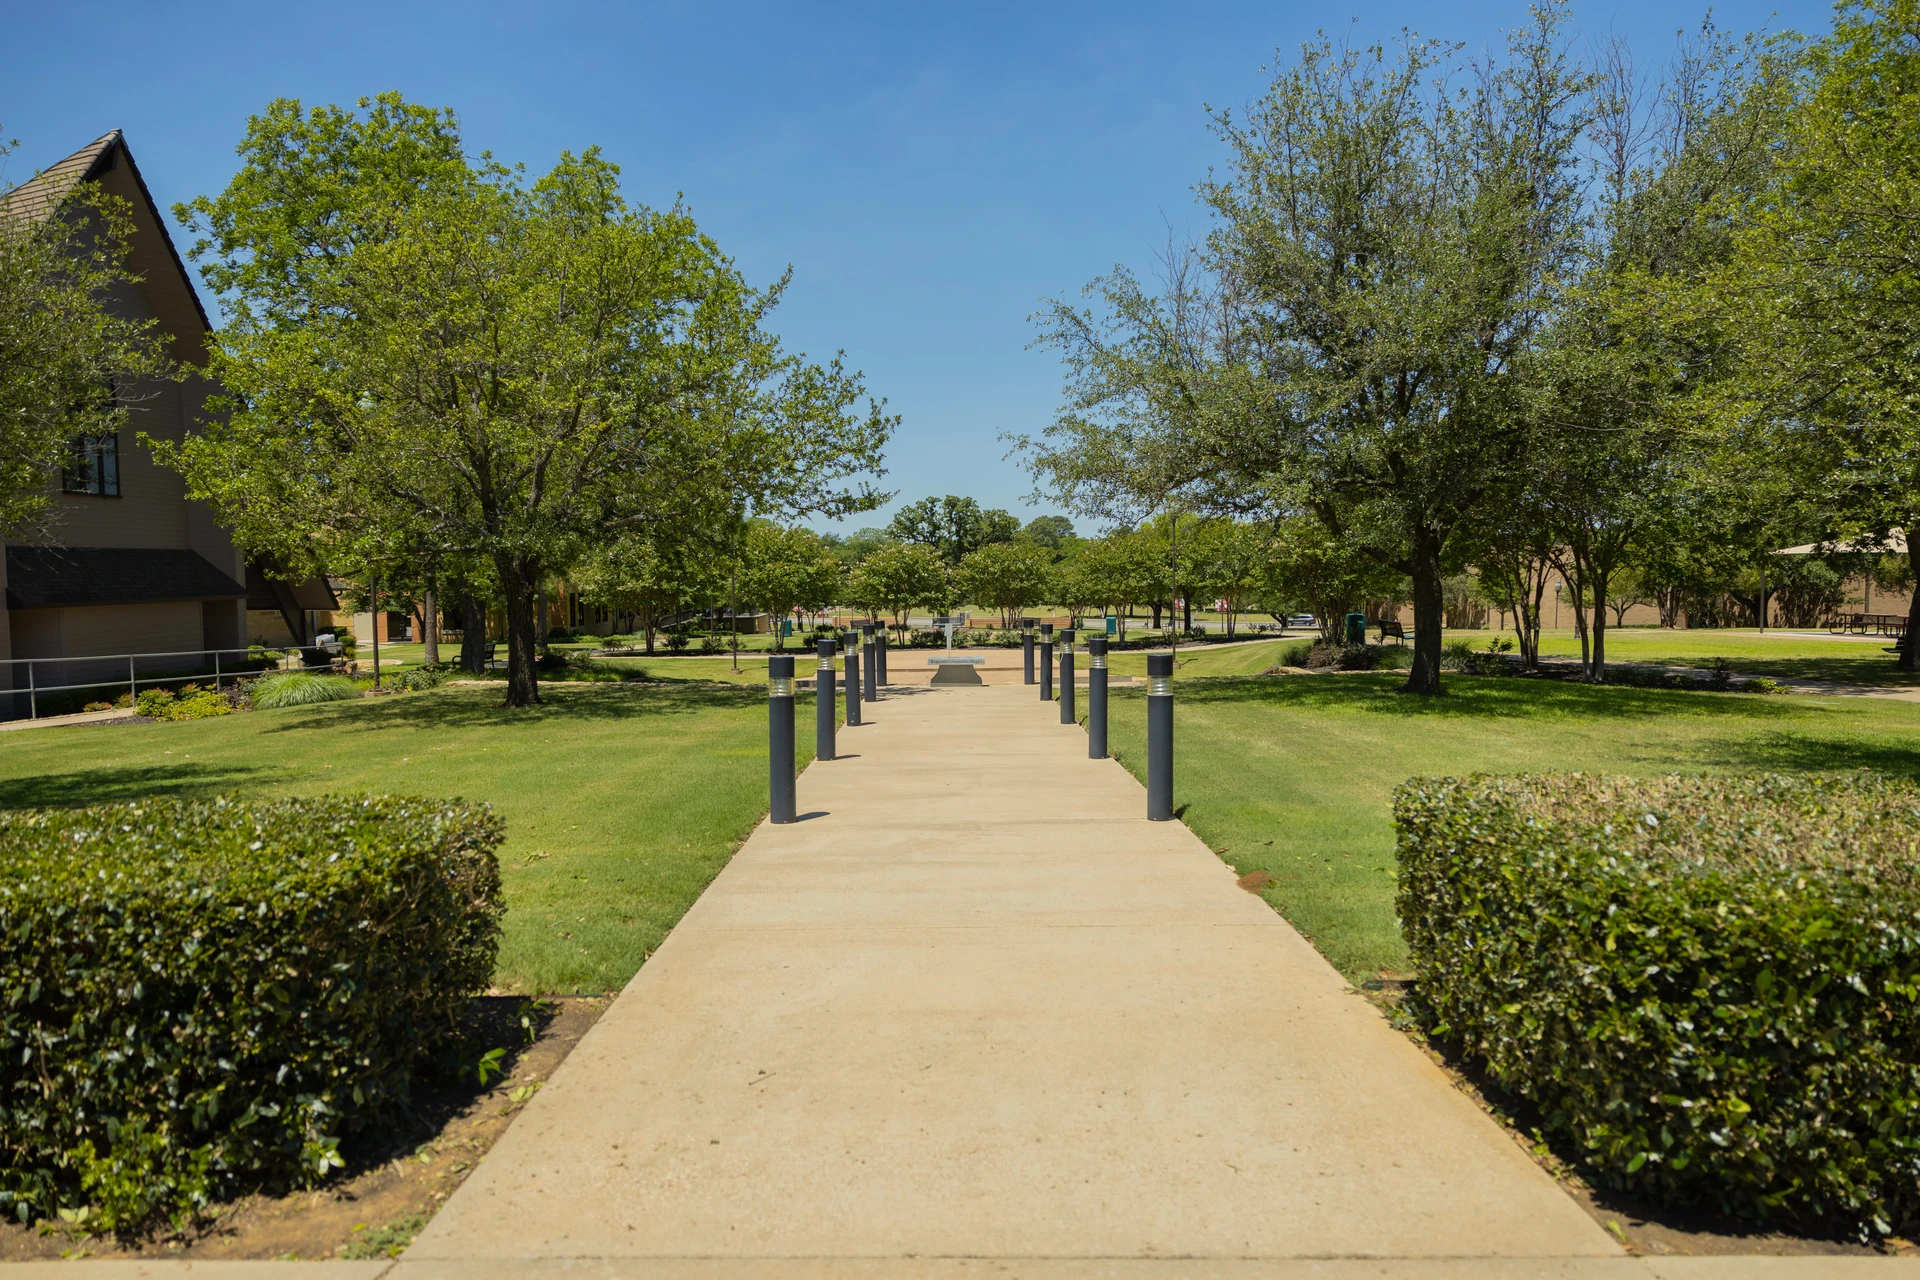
(442, 356)
(1390, 237)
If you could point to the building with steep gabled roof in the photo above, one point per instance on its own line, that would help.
(135, 566)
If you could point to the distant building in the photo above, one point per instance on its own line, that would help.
(136, 567)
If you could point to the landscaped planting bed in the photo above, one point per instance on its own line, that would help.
(203, 997)
(1709, 988)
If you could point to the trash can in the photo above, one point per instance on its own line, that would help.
(1113, 624)
(1356, 628)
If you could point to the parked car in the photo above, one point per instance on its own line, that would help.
(1303, 621)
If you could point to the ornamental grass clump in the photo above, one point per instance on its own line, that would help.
(199, 998)
(1708, 988)
(299, 689)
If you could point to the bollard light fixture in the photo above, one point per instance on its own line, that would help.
(825, 708)
(1159, 737)
(1067, 715)
(780, 771)
(1096, 697)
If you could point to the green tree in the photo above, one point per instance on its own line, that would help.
(1389, 239)
(490, 367)
(69, 368)
(1822, 285)
(1328, 575)
(651, 575)
(1006, 576)
(784, 569)
(1227, 561)
(1055, 533)
(953, 526)
(896, 578)
(1118, 571)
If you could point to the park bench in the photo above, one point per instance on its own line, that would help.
(1392, 627)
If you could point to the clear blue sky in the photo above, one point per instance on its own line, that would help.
(930, 172)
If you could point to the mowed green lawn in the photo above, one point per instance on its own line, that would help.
(622, 802)
(1294, 775)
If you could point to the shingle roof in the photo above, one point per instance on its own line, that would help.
(38, 195)
(59, 577)
(43, 192)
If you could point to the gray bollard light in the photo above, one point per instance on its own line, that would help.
(823, 702)
(1096, 697)
(1159, 737)
(880, 653)
(1046, 662)
(869, 664)
(851, 642)
(1066, 677)
(780, 737)
(1026, 645)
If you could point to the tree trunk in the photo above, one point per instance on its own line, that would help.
(1428, 613)
(430, 628)
(1913, 616)
(523, 635)
(473, 634)
(1597, 668)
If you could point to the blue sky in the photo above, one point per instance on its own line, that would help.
(930, 172)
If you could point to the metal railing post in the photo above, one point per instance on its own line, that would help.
(780, 773)
(1066, 677)
(1046, 662)
(33, 696)
(824, 709)
(1096, 697)
(1159, 737)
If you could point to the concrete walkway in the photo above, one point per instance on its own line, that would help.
(976, 1007)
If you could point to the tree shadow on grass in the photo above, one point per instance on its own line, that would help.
(110, 785)
(1477, 697)
(1810, 753)
(471, 708)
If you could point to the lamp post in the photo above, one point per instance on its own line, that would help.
(823, 702)
(1046, 662)
(1026, 645)
(1096, 697)
(780, 738)
(1066, 677)
(851, 642)
(1159, 737)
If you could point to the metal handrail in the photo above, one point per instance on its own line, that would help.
(134, 680)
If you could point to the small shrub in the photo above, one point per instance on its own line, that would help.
(98, 706)
(676, 641)
(417, 679)
(1324, 654)
(1709, 988)
(154, 703)
(1457, 655)
(1295, 655)
(299, 689)
(710, 643)
(124, 701)
(204, 997)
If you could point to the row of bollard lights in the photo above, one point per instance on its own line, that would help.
(1159, 703)
(866, 650)
(866, 658)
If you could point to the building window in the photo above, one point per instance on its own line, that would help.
(93, 465)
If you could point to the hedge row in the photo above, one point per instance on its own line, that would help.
(1709, 986)
(202, 997)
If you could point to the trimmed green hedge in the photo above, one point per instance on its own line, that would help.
(202, 997)
(1709, 986)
